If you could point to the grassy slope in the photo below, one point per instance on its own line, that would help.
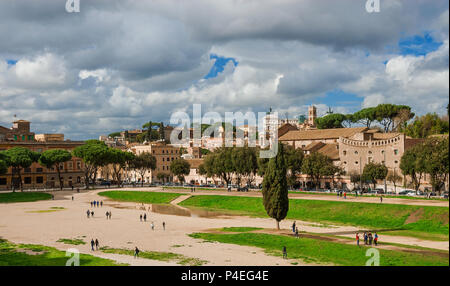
(23, 197)
(385, 216)
(9, 256)
(319, 251)
(140, 196)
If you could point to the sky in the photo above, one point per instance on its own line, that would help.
(120, 63)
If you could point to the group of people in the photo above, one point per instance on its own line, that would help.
(144, 218)
(369, 239)
(108, 215)
(96, 204)
(295, 230)
(192, 189)
(90, 213)
(342, 194)
(94, 243)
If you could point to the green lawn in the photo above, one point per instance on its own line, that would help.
(324, 252)
(378, 216)
(23, 197)
(74, 241)
(239, 229)
(140, 196)
(38, 255)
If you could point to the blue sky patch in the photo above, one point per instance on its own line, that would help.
(11, 62)
(219, 65)
(418, 45)
(338, 97)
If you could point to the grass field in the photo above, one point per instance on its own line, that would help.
(324, 252)
(23, 197)
(72, 241)
(155, 255)
(140, 196)
(378, 216)
(38, 255)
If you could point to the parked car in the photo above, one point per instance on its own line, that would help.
(105, 183)
(406, 192)
(242, 189)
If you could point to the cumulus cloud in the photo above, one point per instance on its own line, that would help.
(120, 63)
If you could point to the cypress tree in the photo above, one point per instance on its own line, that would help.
(275, 189)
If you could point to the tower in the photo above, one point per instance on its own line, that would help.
(312, 115)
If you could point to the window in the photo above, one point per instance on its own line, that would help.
(30, 137)
(396, 162)
(345, 153)
(39, 170)
(27, 170)
(23, 137)
(39, 180)
(27, 180)
(356, 162)
(396, 151)
(356, 152)
(3, 181)
(370, 152)
(163, 159)
(78, 165)
(70, 165)
(61, 166)
(370, 159)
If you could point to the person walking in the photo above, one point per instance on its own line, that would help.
(164, 225)
(357, 239)
(140, 217)
(284, 252)
(78, 190)
(345, 195)
(72, 198)
(97, 203)
(293, 227)
(375, 240)
(381, 199)
(91, 204)
(92, 213)
(136, 252)
(92, 244)
(107, 215)
(153, 226)
(370, 238)
(296, 232)
(88, 213)
(365, 238)
(145, 217)
(101, 204)
(96, 244)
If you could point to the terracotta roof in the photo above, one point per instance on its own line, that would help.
(330, 150)
(381, 136)
(410, 142)
(318, 134)
(285, 128)
(314, 146)
(195, 163)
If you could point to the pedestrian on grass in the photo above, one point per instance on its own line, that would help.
(381, 199)
(293, 227)
(96, 244)
(284, 252)
(370, 238)
(357, 239)
(92, 244)
(375, 240)
(164, 225)
(365, 238)
(296, 232)
(345, 195)
(136, 252)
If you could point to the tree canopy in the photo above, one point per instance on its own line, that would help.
(180, 168)
(275, 189)
(426, 125)
(373, 172)
(53, 158)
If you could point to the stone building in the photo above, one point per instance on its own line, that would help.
(38, 176)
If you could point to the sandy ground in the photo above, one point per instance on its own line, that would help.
(20, 223)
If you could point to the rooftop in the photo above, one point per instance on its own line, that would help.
(317, 134)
